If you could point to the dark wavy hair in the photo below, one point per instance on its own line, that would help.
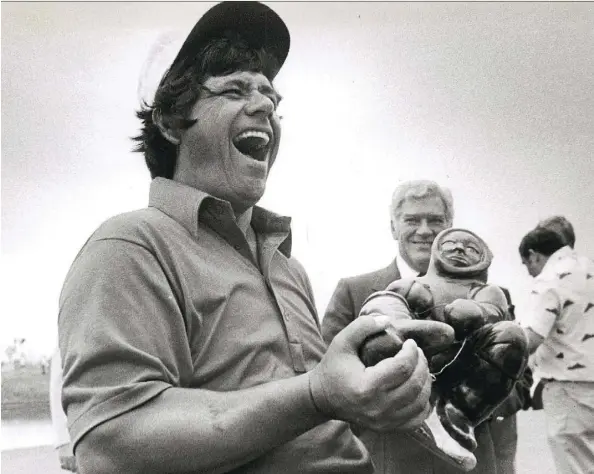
(179, 90)
(541, 240)
(561, 225)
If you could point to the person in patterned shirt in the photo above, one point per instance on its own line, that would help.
(560, 331)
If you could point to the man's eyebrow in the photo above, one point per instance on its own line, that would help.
(422, 214)
(244, 83)
(230, 82)
(271, 90)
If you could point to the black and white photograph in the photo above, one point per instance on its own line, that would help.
(303, 237)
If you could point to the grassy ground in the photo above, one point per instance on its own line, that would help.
(25, 394)
(31, 461)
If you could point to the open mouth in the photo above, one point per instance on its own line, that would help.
(253, 143)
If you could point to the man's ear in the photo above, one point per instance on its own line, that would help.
(537, 256)
(166, 128)
(394, 228)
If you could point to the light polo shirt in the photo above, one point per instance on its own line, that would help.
(171, 296)
(563, 313)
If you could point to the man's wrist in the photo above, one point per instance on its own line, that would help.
(318, 395)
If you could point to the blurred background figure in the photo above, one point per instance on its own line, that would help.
(564, 228)
(560, 330)
(15, 353)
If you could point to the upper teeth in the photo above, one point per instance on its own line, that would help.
(254, 133)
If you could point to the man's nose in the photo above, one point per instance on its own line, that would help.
(259, 103)
(424, 228)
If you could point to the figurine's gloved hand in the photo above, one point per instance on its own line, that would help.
(482, 375)
(465, 316)
(418, 296)
(430, 336)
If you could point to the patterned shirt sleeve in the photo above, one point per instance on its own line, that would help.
(545, 309)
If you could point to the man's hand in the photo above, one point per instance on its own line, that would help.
(394, 394)
(67, 459)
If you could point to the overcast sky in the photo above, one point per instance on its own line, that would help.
(494, 100)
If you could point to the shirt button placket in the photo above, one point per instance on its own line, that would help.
(292, 333)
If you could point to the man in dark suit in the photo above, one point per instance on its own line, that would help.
(419, 211)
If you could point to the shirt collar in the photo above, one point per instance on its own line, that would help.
(555, 259)
(404, 268)
(186, 205)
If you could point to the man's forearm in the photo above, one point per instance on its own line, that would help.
(194, 430)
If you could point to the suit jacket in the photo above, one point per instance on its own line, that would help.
(349, 295)
(394, 452)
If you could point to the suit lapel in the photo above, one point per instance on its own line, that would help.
(386, 276)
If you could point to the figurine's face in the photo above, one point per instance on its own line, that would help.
(461, 249)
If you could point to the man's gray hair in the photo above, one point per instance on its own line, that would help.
(418, 189)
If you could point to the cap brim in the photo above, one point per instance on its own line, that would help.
(257, 23)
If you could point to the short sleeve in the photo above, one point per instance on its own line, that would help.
(122, 334)
(545, 309)
(305, 281)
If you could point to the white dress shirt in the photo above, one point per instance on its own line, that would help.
(404, 268)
